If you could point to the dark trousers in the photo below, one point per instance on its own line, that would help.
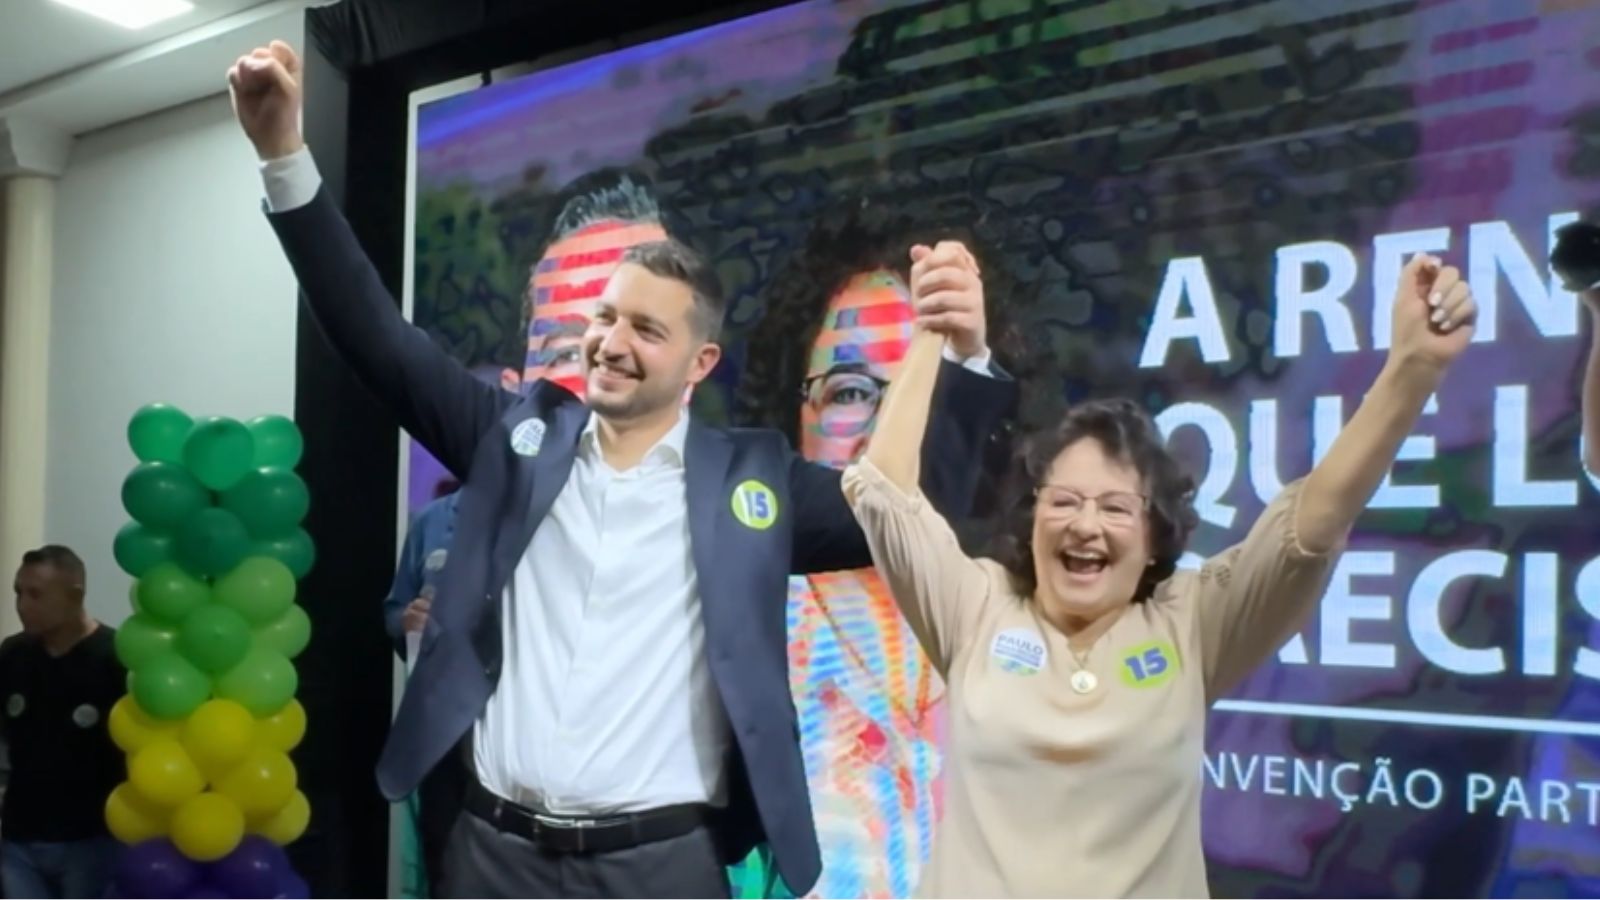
(439, 804)
(482, 861)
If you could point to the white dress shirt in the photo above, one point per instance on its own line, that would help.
(605, 702)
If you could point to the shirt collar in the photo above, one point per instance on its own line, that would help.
(669, 449)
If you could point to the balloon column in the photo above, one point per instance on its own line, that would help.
(216, 547)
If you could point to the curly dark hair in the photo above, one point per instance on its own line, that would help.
(855, 235)
(851, 237)
(1127, 433)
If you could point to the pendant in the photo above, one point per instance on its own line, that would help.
(1083, 681)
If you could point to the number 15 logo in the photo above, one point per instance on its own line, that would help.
(1148, 665)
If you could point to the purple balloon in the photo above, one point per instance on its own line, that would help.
(207, 892)
(294, 888)
(155, 869)
(255, 868)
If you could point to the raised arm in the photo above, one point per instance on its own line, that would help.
(434, 397)
(939, 589)
(1434, 315)
(1248, 599)
(967, 407)
(968, 397)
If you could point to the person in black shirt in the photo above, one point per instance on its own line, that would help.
(58, 681)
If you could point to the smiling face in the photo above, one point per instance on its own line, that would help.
(1091, 539)
(566, 286)
(643, 350)
(863, 340)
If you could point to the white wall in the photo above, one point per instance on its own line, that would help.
(169, 287)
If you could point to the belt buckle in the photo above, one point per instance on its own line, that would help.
(575, 829)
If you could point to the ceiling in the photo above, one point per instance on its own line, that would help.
(39, 38)
(72, 72)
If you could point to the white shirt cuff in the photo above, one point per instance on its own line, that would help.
(978, 364)
(290, 181)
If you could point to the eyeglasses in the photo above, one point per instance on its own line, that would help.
(845, 401)
(1119, 509)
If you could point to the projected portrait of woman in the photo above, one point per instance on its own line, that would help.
(837, 321)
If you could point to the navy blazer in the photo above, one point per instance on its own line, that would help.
(513, 454)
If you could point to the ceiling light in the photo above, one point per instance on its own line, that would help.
(131, 13)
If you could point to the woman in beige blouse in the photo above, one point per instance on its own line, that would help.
(1079, 673)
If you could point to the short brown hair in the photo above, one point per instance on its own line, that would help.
(678, 261)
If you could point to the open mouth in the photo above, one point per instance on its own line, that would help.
(1084, 562)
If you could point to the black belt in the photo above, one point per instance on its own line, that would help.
(585, 834)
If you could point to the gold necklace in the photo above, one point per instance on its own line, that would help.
(1083, 681)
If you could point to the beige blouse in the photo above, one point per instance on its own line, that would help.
(1052, 793)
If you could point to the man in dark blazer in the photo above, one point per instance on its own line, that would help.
(606, 646)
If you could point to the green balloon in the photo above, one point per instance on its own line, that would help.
(156, 433)
(277, 440)
(214, 638)
(218, 451)
(167, 686)
(263, 682)
(261, 589)
(293, 550)
(142, 638)
(162, 495)
(288, 634)
(138, 549)
(212, 542)
(169, 594)
(270, 502)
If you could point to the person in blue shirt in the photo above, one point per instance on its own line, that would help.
(423, 556)
(426, 548)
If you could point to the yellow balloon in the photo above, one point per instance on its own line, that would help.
(283, 729)
(163, 774)
(132, 818)
(261, 784)
(132, 729)
(218, 735)
(286, 825)
(207, 828)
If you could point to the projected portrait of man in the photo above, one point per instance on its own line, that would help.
(602, 221)
(837, 322)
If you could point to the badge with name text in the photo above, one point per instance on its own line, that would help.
(1019, 651)
(1148, 665)
(755, 505)
(528, 437)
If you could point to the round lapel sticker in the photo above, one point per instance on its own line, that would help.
(15, 705)
(528, 437)
(85, 716)
(755, 505)
(435, 560)
(1019, 651)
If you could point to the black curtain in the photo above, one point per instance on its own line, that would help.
(363, 58)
